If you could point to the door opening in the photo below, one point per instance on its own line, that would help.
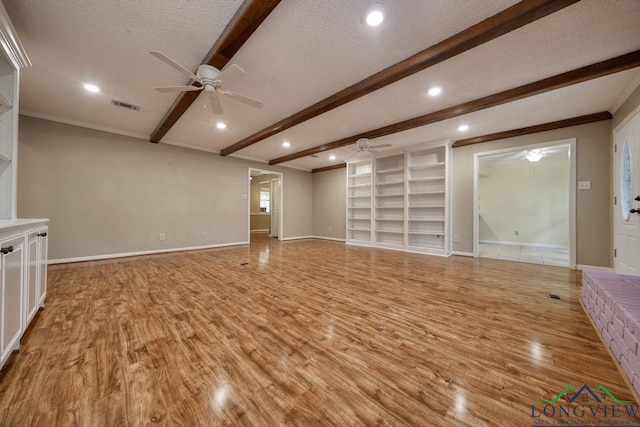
(524, 204)
(265, 204)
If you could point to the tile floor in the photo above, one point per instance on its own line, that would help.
(533, 255)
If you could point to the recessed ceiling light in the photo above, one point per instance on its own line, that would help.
(332, 157)
(435, 91)
(221, 125)
(286, 144)
(374, 15)
(91, 87)
(463, 128)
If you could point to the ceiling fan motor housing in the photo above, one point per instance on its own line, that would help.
(363, 143)
(208, 74)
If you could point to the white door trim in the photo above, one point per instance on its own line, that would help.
(281, 178)
(571, 142)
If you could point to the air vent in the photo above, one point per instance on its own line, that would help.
(315, 156)
(125, 105)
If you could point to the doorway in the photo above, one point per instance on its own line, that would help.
(265, 203)
(524, 204)
(626, 192)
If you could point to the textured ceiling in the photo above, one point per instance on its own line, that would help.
(305, 51)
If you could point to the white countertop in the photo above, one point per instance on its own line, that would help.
(9, 224)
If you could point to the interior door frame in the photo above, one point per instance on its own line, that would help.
(571, 142)
(281, 180)
(273, 183)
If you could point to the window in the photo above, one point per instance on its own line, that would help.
(264, 200)
(625, 181)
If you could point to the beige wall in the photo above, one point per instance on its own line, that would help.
(527, 197)
(627, 107)
(260, 220)
(106, 193)
(329, 203)
(592, 206)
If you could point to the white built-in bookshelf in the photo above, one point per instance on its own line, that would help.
(389, 200)
(400, 199)
(427, 201)
(359, 201)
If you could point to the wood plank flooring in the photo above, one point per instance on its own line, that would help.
(307, 333)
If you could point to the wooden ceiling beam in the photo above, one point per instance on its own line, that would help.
(600, 69)
(329, 168)
(574, 121)
(246, 20)
(508, 20)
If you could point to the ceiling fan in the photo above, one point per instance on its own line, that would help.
(212, 81)
(363, 146)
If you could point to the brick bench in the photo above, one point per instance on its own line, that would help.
(613, 302)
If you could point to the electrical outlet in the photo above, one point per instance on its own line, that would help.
(330, 228)
(203, 234)
(162, 236)
(456, 238)
(517, 233)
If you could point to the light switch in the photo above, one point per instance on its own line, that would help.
(243, 196)
(584, 185)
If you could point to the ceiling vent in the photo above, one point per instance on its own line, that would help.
(315, 156)
(125, 105)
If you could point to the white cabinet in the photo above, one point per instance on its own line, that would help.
(43, 248)
(400, 199)
(23, 278)
(23, 249)
(31, 278)
(11, 281)
(35, 272)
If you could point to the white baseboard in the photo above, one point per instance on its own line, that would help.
(594, 267)
(533, 245)
(329, 238)
(261, 230)
(312, 237)
(130, 254)
(297, 238)
(462, 253)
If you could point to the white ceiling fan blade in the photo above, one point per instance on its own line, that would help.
(230, 73)
(380, 146)
(214, 103)
(373, 151)
(189, 88)
(164, 58)
(242, 98)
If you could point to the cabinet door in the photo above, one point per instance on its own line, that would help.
(32, 279)
(11, 264)
(43, 234)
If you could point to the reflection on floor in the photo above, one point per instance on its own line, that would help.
(533, 255)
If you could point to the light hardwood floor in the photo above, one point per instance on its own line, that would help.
(307, 333)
